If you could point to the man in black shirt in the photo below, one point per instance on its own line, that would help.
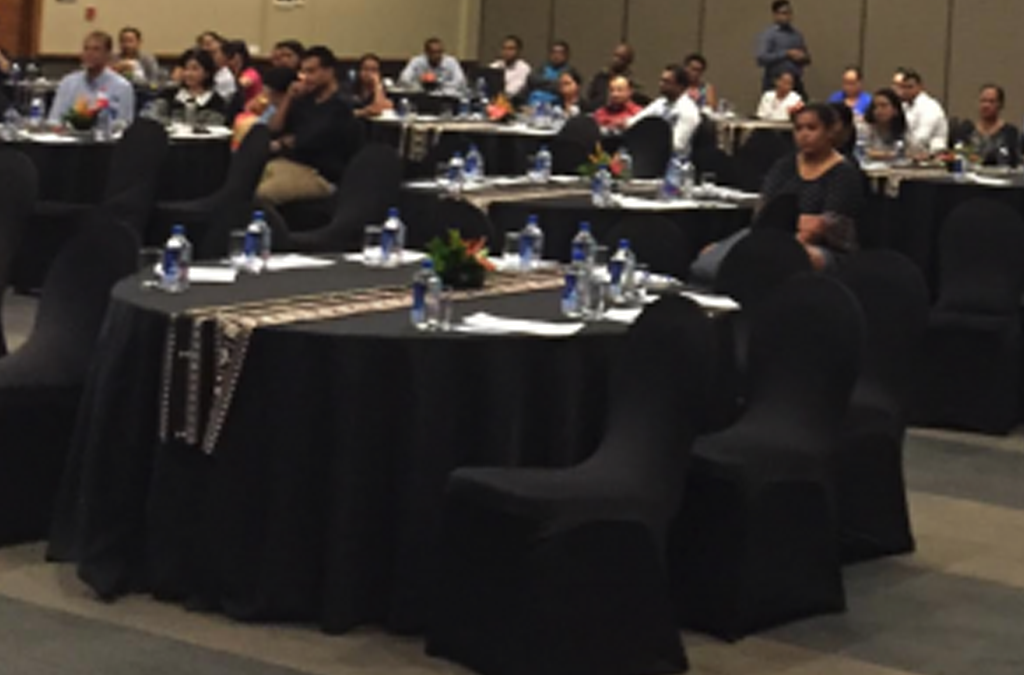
(621, 65)
(315, 134)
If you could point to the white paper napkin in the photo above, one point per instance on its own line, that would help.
(481, 322)
(212, 275)
(408, 257)
(294, 261)
(722, 303)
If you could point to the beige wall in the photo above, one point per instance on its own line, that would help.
(392, 28)
(981, 43)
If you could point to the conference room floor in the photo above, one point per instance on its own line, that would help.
(953, 608)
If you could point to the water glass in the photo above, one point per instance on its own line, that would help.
(447, 303)
(641, 281)
(441, 175)
(236, 249)
(601, 257)
(149, 262)
(708, 180)
(510, 252)
(595, 297)
(372, 252)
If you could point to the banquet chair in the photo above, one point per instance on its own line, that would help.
(657, 242)
(873, 515)
(19, 185)
(41, 383)
(758, 264)
(561, 571)
(970, 374)
(755, 545)
(758, 155)
(712, 159)
(455, 214)
(573, 145)
(369, 187)
(649, 142)
(782, 214)
(210, 220)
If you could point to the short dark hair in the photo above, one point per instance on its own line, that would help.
(678, 74)
(574, 74)
(780, 5)
(211, 34)
(514, 38)
(699, 58)
(432, 41)
(563, 44)
(912, 75)
(233, 48)
(134, 31)
(323, 55)
(899, 122)
(279, 79)
(294, 46)
(103, 38)
(825, 113)
(205, 62)
(1000, 92)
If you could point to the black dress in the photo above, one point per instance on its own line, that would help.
(1001, 147)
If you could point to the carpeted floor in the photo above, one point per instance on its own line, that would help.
(956, 607)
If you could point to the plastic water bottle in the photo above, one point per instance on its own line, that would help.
(626, 162)
(531, 245)
(672, 185)
(584, 244)
(464, 107)
(37, 112)
(426, 297)
(620, 270)
(257, 244)
(176, 261)
(543, 163)
(402, 110)
(542, 115)
(12, 120)
(456, 174)
(482, 97)
(900, 150)
(574, 287)
(688, 178)
(601, 188)
(474, 165)
(392, 239)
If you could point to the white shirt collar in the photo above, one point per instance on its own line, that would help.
(184, 97)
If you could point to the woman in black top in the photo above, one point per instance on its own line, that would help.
(197, 70)
(994, 141)
(829, 190)
(887, 124)
(368, 96)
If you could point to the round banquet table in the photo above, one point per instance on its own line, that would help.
(321, 500)
(924, 204)
(76, 171)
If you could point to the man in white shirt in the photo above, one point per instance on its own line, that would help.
(675, 107)
(927, 126)
(95, 81)
(517, 71)
(433, 69)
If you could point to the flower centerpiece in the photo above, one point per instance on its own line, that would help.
(460, 263)
(602, 160)
(83, 115)
(500, 110)
(429, 81)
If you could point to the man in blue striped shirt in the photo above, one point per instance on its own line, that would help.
(93, 81)
(782, 48)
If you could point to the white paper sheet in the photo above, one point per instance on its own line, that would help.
(722, 303)
(408, 257)
(641, 204)
(482, 322)
(212, 275)
(627, 315)
(294, 261)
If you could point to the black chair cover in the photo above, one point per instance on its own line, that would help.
(650, 144)
(712, 159)
(755, 542)
(758, 264)
(970, 376)
(758, 155)
(455, 214)
(781, 214)
(368, 189)
(560, 572)
(19, 185)
(574, 144)
(657, 242)
(40, 383)
(873, 515)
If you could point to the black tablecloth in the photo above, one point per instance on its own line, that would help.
(322, 500)
(924, 205)
(77, 172)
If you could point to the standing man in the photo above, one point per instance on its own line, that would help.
(517, 71)
(433, 69)
(782, 49)
(621, 65)
(93, 80)
(315, 134)
(675, 107)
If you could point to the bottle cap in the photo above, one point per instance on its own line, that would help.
(178, 229)
(393, 212)
(532, 219)
(623, 243)
(258, 215)
(584, 226)
(427, 264)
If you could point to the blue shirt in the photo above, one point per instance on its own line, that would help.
(77, 85)
(450, 78)
(772, 46)
(548, 93)
(863, 101)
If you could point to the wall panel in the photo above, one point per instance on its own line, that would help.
(730, 39)
(529, 19)
(662, 31)
(987, 47)
(908, 33)
(593, 28)
(833, 31)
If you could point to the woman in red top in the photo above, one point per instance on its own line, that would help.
(620, 108)
(249, 81)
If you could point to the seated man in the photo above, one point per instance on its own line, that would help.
(544, 84)
(620, 65)
(675, 107)
(94, 81)
(316, 134)
(434, 70)
(927, 126)
(131, 62)
(287, 54)
(517, 71)
(620, 108)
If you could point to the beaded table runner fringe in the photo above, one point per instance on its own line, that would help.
(205, 348)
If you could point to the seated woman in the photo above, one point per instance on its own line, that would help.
(368, 96)
(887, 123)
(779, 104)
(703, 93)
(570, 84)
(829, 192)
(240, 63)
(197, 70)
(990, 137)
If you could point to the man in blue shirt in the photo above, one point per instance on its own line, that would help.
(544, 84)
(852, 94)
(782, 48)
(95, 81)
(433, 69)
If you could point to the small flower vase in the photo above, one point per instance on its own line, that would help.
(464, 277)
